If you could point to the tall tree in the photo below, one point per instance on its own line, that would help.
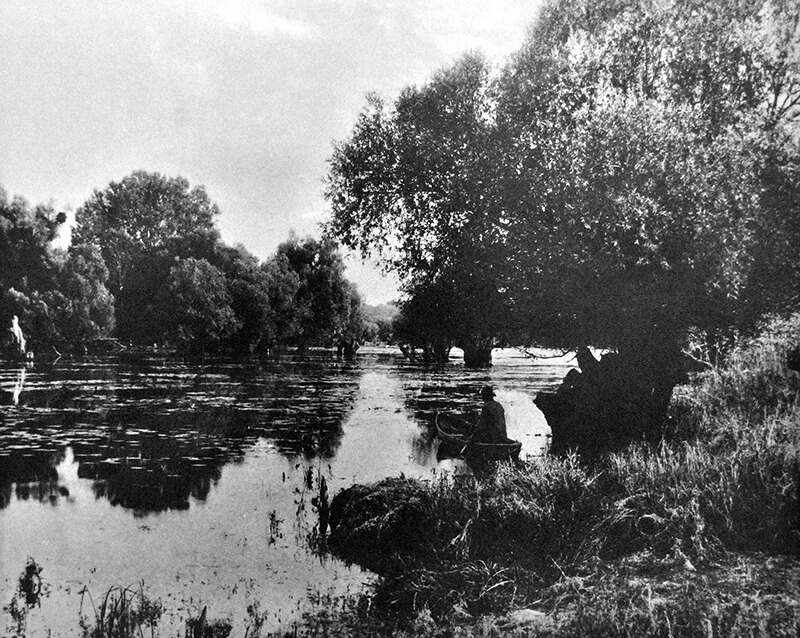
(326, 305)
(416, 183)
(140, 214)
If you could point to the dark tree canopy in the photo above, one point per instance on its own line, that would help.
(327, 307)
(141, 213)
(628, 180)
(152, 240)
(616, 179)
(416, 183)
(59, 296)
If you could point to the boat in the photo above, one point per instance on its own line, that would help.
(454, 434)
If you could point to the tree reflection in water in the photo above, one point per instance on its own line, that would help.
(154, 434)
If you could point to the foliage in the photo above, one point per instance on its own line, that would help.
(415, 182)
(626, 177)
(139, 214)
(378, 322)
(485, 545)
(327, 307)
(60, 296)
(201, 316)
(176, 283)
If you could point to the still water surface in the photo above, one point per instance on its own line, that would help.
(198, 480)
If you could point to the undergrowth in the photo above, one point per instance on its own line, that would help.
(725, 486)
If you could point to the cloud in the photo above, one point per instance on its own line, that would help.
(242, 96)
(254, 16)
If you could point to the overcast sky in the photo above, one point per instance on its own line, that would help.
(244, 97)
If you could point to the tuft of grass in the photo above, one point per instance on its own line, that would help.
(122, 613)
(202, 627)
(497, 543)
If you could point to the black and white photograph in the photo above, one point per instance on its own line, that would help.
(398, 319)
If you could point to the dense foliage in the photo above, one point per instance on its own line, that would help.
(631, 175)
(669, 541)
(60, 296)
(147, 265)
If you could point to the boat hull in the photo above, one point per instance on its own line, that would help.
(454, 433)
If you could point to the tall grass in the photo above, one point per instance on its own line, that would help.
(123, 612)
(728, 486)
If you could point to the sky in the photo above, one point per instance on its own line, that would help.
(243, 97)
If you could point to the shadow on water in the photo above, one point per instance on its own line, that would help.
(206, 481)
(155, 433)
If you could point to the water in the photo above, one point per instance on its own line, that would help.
(198, 480)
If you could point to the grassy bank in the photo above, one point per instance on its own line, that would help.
(697, 537)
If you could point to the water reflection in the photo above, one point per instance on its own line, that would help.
(155, 434)
(200, 480)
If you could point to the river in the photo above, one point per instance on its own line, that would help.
(196, 481)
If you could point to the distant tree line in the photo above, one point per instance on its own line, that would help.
(146, 264)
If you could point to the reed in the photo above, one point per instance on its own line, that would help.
(123, 612)
(727, 489)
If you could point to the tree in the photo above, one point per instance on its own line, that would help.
(379, 319)
(201, 318)
(59, 296)
(326, 306)
(415, 183)
(283, 284)
(141, 213)
(643, 199)
(638, 154)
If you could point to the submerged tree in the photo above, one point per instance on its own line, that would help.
(620, 185)
(416, 183)
(326, 307)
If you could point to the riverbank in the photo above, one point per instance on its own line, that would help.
(697, 537)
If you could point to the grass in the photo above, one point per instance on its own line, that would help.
(699, 536)
(123, 612)
(563, 537)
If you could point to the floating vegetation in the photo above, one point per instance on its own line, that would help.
(28, 595)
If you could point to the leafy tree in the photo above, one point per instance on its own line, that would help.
(326, 305)
(378, 322)
(141, 213)
(283, 284)
(416, 183)
(647, 194)
(60, 297)
(248, 285)
(201, 318)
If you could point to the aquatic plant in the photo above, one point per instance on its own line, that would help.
(29, 593)
(202, 627)
(123, 613)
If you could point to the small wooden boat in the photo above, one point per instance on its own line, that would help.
(454, 434)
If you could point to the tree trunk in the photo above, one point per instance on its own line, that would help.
(477, 352)
(478, 357)
(619, 399)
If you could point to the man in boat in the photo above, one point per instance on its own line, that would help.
(491, 427)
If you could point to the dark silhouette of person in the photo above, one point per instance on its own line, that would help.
(492, 424)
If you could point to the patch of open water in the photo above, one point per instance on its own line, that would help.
(197, 480)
